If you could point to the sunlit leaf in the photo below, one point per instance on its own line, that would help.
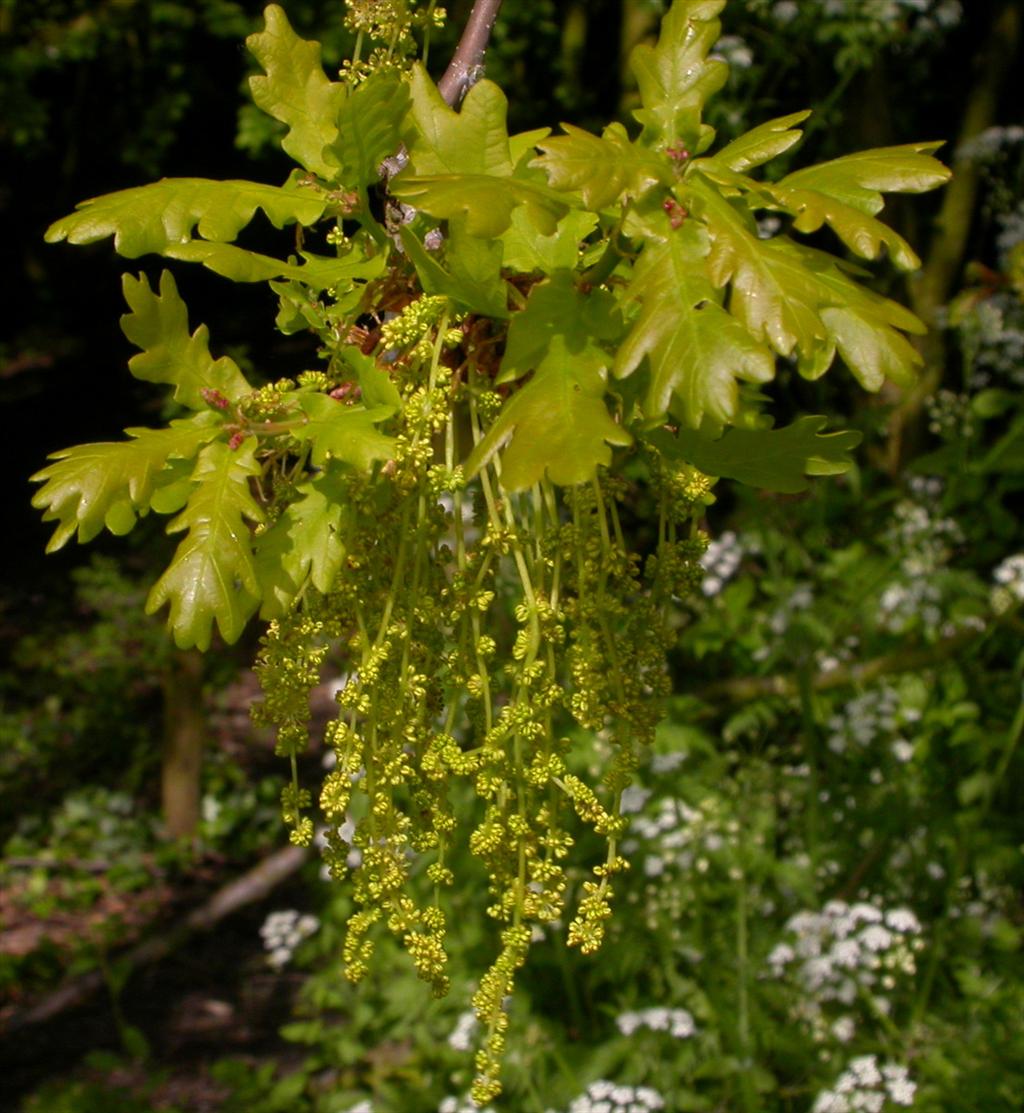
(860, 179)
(761, 144)
(152, 217)
(296, 91)
(470, 276)
(95, 486)
(316, 271)
(370, 127)
(603, 168)
(676, 76)
(697, 351)
(336, 431)
(158, 324)
(212, 577)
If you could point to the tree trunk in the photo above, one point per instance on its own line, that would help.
(184, 739)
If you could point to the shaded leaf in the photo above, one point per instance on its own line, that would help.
(212, 576)
(296, 91)
(305, 544)
(337, 431)
(158, 324)
(676, 76)
(558, 312)
(772, 459)
(473, 275)
(697, 351)
(92, 486)
(526, 250)
(603, 168)
(370, 127)
(152, 217)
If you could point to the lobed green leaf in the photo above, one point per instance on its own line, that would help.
(158, 324)
(697, 351)
(94, 486)
(676, 76)
(772, 459)
(347, 433)
(154, 217)
(296, 91)
(603, 168)
(212, 577)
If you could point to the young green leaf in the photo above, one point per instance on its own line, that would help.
(697, 351)
(473, 140)
(213, 576)
(305, 544)
(318, 272)
(95, 486)
(676, 76)
(158, 324)
(558, 311)
(473, 275)
(296, 91)
(603, 168)
(772, 459)
(336, 431)
(556, 425)
(859, 180)
(526, 250)
(760, 144)
(863, 235)
(152, 217)
(370, 128)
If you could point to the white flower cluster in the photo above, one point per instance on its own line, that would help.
(606, 1097)
(924, 543)
(679, 836)
(1008, 578)
(677, 1022)
(1011, 224)
(993, 330)
(463, 1035)
(720, 562)
(927, 16)
(365, 1106)
(461, 1105)
(864, 1087)
(283, 931)
(844, 952)
(988, 143)
(877, 713)
(734, 50)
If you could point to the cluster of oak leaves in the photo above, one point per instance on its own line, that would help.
(525, 359)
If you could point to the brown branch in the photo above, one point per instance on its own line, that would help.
(740, 689)
(251, 887)
(464, 70)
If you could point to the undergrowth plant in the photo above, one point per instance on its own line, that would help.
(535, 356)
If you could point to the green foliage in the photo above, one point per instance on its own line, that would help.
(503, 336)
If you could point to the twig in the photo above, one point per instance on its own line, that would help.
(465, 67)
(743, 688)
(250, 888)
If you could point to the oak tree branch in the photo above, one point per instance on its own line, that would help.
(464, 69)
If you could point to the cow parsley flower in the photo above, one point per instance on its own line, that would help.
(677, 1022)
(606, 1097)
(863, 1086)
(283, 931)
